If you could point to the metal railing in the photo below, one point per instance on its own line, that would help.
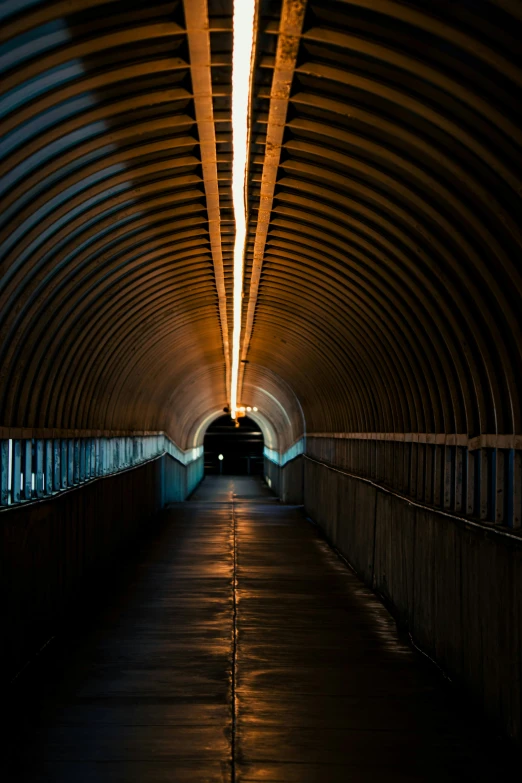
(35, 468)
(473, 481)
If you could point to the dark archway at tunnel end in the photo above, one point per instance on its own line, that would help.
(241, 447)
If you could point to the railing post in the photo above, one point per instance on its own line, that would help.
(449, 476)
(4, 472)
(70, 461)
(437, 475)
(428, 473)
(76, 461)
(116, 459)
(406, 458)
(57, 464)
(412, 484)
(27, 468)
(483, 482)
(92, 472)
(63, 463)
(49, 464)
(16, 471)
(460, 479)
(87, 459)
(471, 473)
(498, 485)
(39, 467)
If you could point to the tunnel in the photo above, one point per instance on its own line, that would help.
(286, 233)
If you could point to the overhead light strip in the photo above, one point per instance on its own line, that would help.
(290, 29)
(243, 43)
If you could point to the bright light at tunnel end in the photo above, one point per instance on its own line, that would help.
(243, 42)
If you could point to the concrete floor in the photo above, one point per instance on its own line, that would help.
(238, 647)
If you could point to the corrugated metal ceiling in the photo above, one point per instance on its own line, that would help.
(389, 284)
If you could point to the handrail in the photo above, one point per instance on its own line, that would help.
(490, 528)
(36, 468)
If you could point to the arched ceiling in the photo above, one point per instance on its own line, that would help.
(383, 280)
(110, 303)
(390, 285)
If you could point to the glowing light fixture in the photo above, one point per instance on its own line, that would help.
(243, 31)
(255, 409)
(220, 457)
(249, 408)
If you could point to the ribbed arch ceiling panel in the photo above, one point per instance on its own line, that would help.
(390, 289)
(109, 300)
(387, 294)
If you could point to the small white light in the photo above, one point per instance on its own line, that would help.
(242, 409)
(254, 409)
(220, 457)
(249, 408)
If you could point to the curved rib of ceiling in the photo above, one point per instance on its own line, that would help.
(391, 286)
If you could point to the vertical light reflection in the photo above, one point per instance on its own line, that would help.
(243, 41)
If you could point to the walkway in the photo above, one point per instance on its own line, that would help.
(240, 635)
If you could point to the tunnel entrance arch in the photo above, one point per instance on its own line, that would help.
(241, 447)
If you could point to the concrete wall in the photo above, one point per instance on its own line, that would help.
(49, 549)
(455, 586)
(286, 481)
(273, 476)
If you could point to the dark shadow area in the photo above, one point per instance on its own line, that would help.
(78, 711)
(36, 697)
(137, 688)
(241, 448)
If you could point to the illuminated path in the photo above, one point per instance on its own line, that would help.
(241, 648)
